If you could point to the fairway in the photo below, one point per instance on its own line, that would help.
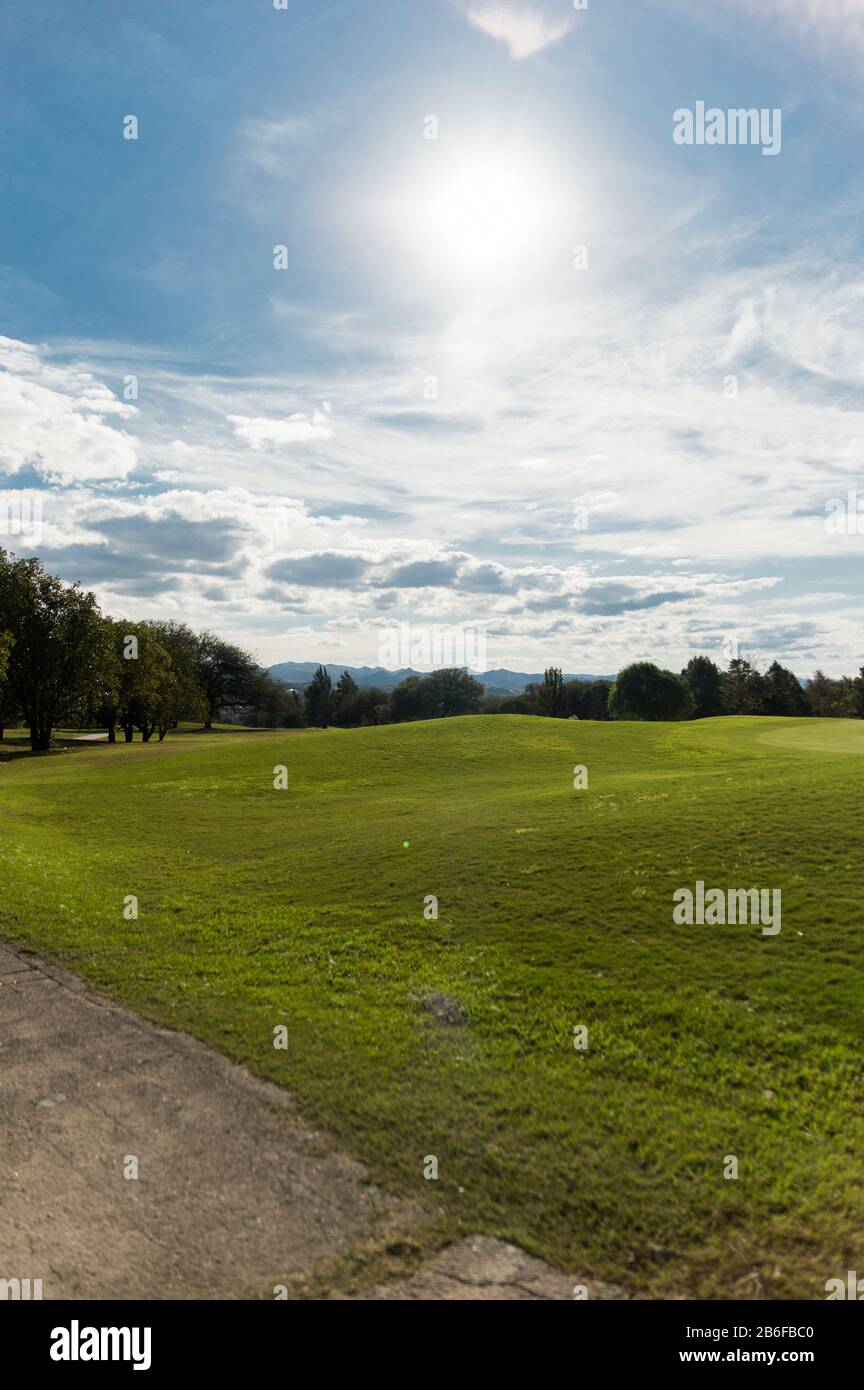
(304, 907)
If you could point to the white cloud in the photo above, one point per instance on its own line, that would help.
(698, 505)
(524, 28)
(50, 419)
(258, 432)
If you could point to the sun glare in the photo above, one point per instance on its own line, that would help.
(489, 214)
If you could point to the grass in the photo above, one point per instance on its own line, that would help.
(302, 908)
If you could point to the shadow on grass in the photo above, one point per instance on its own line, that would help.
(13, 749)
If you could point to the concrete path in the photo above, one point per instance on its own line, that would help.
(234, 1193)
(490, 1270)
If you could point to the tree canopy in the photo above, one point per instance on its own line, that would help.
(644, 691)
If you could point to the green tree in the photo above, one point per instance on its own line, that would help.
(7, 641)
(745, 691)
(644, 691)
(345, 700)
(551, 695)
(10, 713)
(226, 675)
(364, 708)
(832, 699)
(61, 653)
(319, 699)
(575, 695)
(182, 646)
(291, 714)
(453, 691)
(410, 700)
(516, 704)
(706, 685)
(784, 694)
(7, 705)
(595, 700)
(149, 692)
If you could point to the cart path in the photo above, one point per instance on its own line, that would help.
(235, 1192)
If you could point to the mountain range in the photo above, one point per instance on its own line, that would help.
(500, 681)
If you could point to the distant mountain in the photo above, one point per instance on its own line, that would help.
(299, 673)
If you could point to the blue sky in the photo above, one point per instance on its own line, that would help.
(440, 411)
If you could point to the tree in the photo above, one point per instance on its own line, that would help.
(783, 692)
(745, 691)
(551, 696)
(356, 707)
(7, 707)
(61, 653)
(183, 647)
(291, 711)
(409, 700)
(344, 699)
(226, 675)
(149, 692)
(848, 700)
(7, 641)
(515, 704)
(374, 704)
(594, 703)
(10, 713)
(452, 691)
(644, 691)
(858, 694)
(366, 707)
(319, 699)
(706, 686)
(831, 699)
(575, 695)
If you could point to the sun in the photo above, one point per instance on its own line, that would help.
(484, 212)
(491, 212)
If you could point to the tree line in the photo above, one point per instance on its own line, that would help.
(641, 691)
(702, 690)
(62, 661)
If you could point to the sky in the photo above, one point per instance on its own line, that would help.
(417, 312)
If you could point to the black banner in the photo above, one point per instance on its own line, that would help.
(152, 1339)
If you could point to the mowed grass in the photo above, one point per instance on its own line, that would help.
(302, 908)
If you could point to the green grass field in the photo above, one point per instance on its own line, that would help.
(301, 907)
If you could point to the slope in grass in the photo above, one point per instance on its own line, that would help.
(410, 1036)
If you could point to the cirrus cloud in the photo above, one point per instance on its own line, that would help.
(525, 29)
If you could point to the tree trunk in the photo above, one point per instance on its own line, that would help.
(112, 734)
(40, 738)
(128, 732)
